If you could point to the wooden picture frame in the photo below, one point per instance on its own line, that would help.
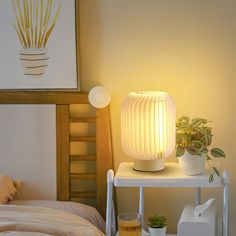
(62, 66)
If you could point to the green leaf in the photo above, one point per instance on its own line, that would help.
(180, 151)
(178, 138)
(198, 129)
(183, 118)
(183, 127)
(211, 178)
(208, 130)
(197, 144)
(208, 158)
(203, 150)
(196, 122)
(192, 150)
(216, 170)
(216, 152)
(208, 139)
(182, 139)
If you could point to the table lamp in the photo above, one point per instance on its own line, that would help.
(148, 129)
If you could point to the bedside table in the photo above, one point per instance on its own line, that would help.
(170, 177)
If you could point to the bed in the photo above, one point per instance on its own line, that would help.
(67, 216)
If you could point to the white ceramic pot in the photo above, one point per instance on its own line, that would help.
(192, 164)
(34, 61)
(157, 231)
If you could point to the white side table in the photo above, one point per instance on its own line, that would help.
(170, 177)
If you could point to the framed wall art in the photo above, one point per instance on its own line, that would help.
(38, 46)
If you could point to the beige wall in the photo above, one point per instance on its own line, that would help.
(185, 47)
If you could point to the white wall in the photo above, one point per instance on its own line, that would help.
(186, 48)
(28, 148)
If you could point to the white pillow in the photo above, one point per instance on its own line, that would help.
(7, 189)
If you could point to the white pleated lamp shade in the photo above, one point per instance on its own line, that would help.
(148, 128)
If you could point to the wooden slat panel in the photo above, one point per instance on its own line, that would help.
(84, 185)
(63, 151)
(83, 157)
(83, 138)
(104, 156)
(82, 176)
(43, 97)
(83, 194)
(83, 120)
(103, 139)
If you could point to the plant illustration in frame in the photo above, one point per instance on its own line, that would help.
(34, 24)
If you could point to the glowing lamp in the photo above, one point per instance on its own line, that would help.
(148, 129)
(99, 97)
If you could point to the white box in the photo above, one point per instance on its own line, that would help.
(204, 225)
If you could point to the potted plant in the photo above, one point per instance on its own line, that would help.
(193, 138)
(157, 225)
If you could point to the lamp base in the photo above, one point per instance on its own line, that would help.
(149, 165)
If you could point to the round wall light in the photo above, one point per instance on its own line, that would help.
(99, 97)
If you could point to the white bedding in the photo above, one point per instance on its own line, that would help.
(85, 211)
(39, 221)
(15, 233)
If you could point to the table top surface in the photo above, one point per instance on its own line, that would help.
(171, 176)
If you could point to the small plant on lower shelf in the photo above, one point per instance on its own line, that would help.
(157, 221)
(157, 225)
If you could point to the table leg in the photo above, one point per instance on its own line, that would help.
(198, 196)
(141, 203)
(226, 204)
(109, 207)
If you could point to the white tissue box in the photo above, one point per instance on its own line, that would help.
(204, 225)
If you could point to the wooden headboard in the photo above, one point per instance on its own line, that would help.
(102, 156)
